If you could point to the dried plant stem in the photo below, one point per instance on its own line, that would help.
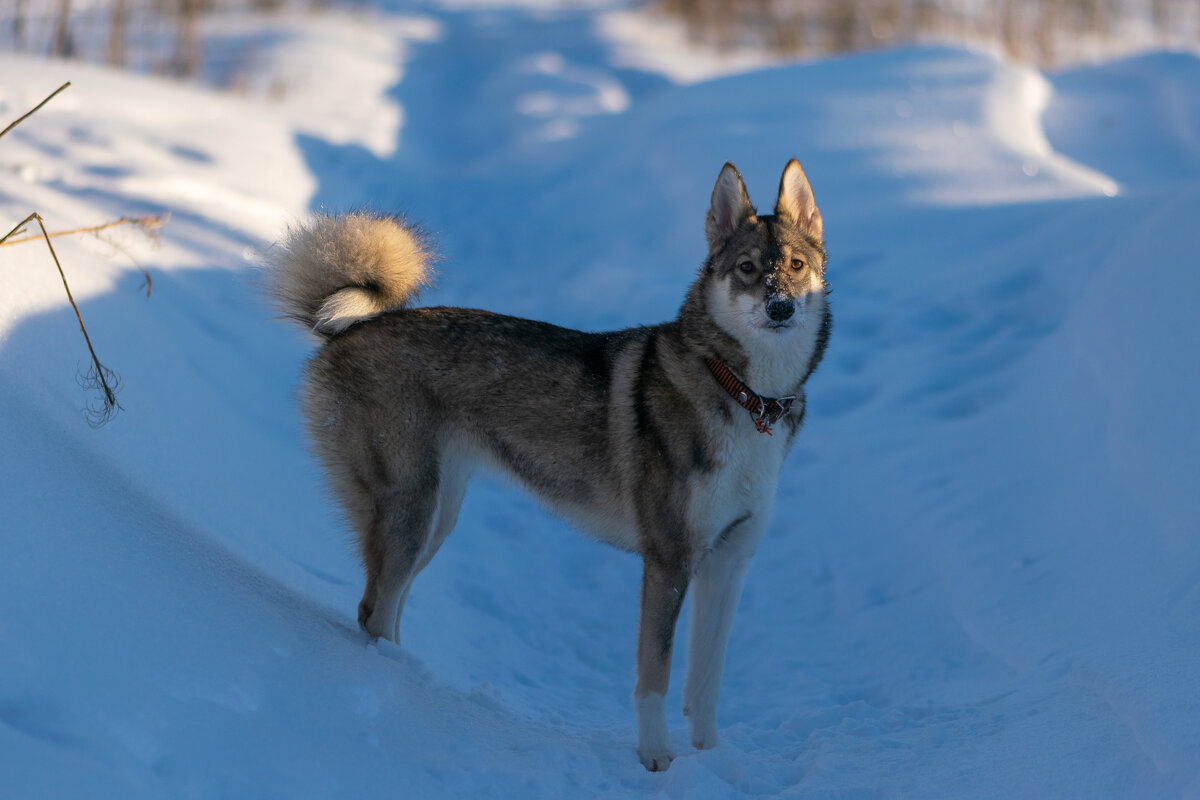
(102, 373)
(19, 227)
(99, 376)
(148, 285)
(31, 111)
(148, 223)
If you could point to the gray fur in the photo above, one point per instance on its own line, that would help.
(625, 433)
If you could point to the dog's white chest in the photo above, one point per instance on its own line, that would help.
(744, 482)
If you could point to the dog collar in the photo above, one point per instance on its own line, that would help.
(765, 411)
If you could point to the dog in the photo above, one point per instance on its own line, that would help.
(666, 440)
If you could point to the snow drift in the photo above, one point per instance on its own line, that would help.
(982, 578)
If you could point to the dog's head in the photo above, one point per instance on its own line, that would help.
(764, 273)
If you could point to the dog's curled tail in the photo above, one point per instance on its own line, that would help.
(336, 270)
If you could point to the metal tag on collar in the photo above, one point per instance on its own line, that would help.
(763, 421)
(785, 405)
(767, 417)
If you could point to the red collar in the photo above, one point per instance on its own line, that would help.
(766, 411)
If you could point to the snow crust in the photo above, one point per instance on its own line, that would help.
(983, 575)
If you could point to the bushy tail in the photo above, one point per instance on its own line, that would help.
(333, 271)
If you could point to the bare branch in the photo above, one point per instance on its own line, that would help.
(149, 224)
(99, 376)
(33, 110)
(20, 228)
(102, 374)
(148, 283)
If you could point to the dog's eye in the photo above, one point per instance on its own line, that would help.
(746, 266)
(797, 263)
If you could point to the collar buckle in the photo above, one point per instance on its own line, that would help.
(765, 411)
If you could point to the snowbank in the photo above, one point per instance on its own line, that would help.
(982, 577)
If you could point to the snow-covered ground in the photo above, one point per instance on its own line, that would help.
(983, 575)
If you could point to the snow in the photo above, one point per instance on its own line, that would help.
(327, 74)
(982, 578)
(645, 39)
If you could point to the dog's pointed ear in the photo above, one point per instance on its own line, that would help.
(796, 204)
(730, 206)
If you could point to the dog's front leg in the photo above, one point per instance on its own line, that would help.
(718, 587)
(664, 583)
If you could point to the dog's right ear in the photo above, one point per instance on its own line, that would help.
(730, 206)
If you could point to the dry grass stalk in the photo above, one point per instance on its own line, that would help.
(149, 224)
(98, 377)
(32, 111)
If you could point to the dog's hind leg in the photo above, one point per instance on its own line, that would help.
(452, 488)
(396, 539)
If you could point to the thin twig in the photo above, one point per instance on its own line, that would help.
(20, 228)
(148, 223)
(102, 373)
(99, 377)
(30, 112)
(148, 283)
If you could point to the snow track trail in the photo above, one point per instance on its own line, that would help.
(981, 577)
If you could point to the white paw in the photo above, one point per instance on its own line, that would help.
(656, 761)
(703, 725)
(654, 746)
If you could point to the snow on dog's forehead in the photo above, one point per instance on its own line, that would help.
(794, 240)
(767, 241)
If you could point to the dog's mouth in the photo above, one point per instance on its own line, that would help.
(780, 325)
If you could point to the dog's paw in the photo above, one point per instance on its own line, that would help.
(654, 741)
(364, 614)
(703, 725)
(704, 731)
(656, 761)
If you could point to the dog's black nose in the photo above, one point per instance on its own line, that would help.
(780, 310)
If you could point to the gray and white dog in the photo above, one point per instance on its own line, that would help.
(666, 441)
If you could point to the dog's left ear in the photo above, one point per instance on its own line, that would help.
(796, 204)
